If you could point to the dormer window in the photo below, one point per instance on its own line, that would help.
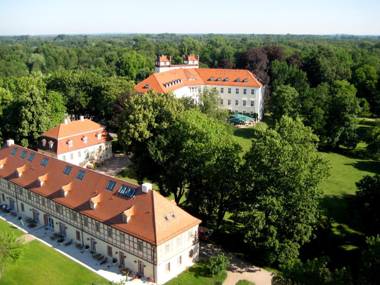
(31, 156)
(44, 162)
(70, 143)
(23, 154)
(85, 139)
(51, 144)
(93, 205)
(67, 170)
(99, 136)
(14, 151)
(81, 174)
(110, 185)
(43, 142)
(127, 214)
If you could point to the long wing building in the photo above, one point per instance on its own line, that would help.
(129, 224)
(239, 90)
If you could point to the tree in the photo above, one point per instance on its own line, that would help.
(343, 108)
(281, 177)
(367, 200)
(32, 111)
(10, 250)
(365, 79)
(284, 102)
(312, 272)
(134, 66)
(369, 273)
(373, 147)
(209, 105)
(217, 264)
(143, 126)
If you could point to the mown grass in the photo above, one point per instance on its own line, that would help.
(41, 265)
(195, 275)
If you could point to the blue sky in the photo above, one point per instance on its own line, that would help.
(189, 16)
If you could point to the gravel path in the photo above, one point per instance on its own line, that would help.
(239, 269)
(114, 165)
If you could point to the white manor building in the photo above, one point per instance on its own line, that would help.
(238, 89)
(79, 142)
(133, 226)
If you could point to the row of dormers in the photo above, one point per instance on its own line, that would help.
(226, 79)
(173, 82)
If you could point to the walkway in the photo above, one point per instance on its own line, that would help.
(114, 165)
(82, 257)
(239, 269)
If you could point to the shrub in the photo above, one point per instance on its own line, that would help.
(217, 264)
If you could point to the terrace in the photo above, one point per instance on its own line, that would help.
(95, 262)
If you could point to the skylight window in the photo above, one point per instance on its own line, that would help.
(31, 156)
(111, 184)
(44, 161)
(81, 174)
(67, 170)
(23, 154)
(14, 151)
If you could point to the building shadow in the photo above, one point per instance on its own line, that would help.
(367, 165)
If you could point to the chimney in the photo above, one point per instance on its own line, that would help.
(66, 121)
(81, 118)
(10, 142)
(146, 187)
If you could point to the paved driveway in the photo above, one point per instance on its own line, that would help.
(239, 269)
(114, 165)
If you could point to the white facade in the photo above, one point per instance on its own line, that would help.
(81, 156)
(159, 263)
(247, 100)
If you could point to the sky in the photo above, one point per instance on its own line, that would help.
(42, 17)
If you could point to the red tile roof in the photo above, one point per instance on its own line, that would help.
(167, 81)
(149, 222)
(76, 132)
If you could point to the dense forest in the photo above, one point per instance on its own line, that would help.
(266, 199)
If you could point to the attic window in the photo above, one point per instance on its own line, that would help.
(14, 151)
(85, 139)
(237, 79)
(67, 170)
(98, 136)
(81, 174)
(43, 142)
(70, 143)
(31, 156)
(44, 161)
(146, 86)
(111, 184)
(23, 154)
(245, 80)
(51, 144)
(226, 79)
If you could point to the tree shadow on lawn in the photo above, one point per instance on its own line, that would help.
(338, 208)
(367, 165)
(246, 133)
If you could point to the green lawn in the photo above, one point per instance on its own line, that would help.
(41, 265)
(244, 282)
(194, 276)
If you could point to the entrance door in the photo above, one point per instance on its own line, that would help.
(62, 229)
(141, 268)
(121, 259)
(93, 245)
(50, 223)
(11, 204)
(36, 216)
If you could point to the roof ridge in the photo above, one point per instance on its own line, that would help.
(154, 217)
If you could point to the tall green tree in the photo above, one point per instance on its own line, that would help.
(281, 177)
(284, 102)
(367, 200)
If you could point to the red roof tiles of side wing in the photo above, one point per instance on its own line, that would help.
(228, 77)
(51, 181)
(174, 79)
(73, 128)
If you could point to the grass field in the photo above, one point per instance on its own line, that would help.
(194, 276)
(41, 265)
